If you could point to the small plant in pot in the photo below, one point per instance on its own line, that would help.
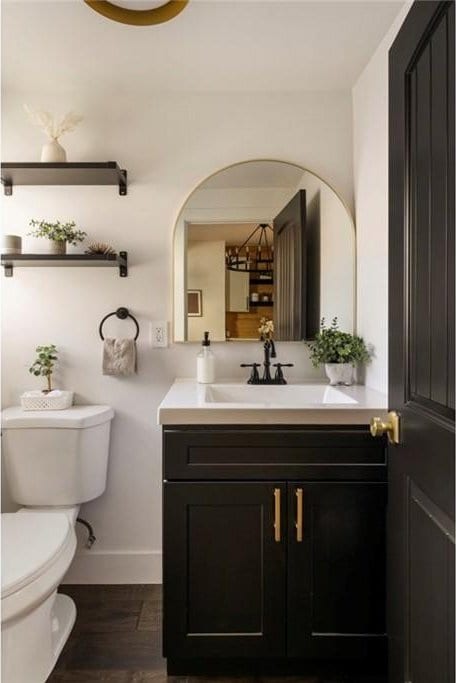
(338, 351)
(49, 398)
(59, 234)
(43, 365)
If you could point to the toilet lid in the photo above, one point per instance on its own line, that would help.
(76, 417)
(31, 542)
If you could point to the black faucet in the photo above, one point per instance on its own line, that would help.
(269, 352)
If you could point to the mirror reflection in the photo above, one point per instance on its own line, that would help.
(262, 240)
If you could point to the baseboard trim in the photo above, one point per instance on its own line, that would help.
(111, 567)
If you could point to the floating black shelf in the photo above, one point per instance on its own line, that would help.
(261, 303)
(261, 281)
(80, 173)
(11, 261)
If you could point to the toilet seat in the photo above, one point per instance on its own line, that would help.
(31, 542)
(37, 549)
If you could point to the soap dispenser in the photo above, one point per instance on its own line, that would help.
(205, 363)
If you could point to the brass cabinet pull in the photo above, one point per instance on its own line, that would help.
(298, 524)
(277, 515)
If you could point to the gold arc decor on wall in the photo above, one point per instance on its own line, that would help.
(138, 17)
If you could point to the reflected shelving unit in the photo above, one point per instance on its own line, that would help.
(261, 286)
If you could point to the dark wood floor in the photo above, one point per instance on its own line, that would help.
(117, 638)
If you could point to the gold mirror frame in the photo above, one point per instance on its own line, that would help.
(138, 17)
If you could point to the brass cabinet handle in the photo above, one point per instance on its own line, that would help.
(277, 515)
(378, 427)
(299, 525)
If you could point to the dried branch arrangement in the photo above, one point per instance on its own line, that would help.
(54, 128)
(100, 248)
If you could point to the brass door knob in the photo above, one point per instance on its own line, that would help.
(379, 427)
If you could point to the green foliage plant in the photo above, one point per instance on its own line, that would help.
(43, 364)
(57, 232)
(333, 346)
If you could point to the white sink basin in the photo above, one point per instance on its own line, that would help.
(291, 395)
(231, 403)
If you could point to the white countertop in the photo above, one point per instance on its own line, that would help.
(188, 402)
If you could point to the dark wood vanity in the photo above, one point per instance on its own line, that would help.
(274, 548)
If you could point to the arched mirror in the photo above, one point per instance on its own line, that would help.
(262, 239)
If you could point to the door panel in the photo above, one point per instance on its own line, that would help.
(224, 572)
(421, 332)
(336, 574)
(224, 531)
(430, 567)
(430, 326)
(293, 307)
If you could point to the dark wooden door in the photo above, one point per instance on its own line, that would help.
(224, 569)
(296, 273)
(421, 333)
(336, 570)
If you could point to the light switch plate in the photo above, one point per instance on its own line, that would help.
(159, 333)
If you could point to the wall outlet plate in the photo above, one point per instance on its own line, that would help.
(159, 333)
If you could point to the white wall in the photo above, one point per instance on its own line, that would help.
(206, 271)
(370, 137)
(168, 143)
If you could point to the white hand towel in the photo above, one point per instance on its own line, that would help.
(119, 357)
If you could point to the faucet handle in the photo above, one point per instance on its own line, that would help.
(254, 376)
(279, 378)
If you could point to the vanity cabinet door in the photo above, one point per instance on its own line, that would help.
(224, 569)
(336, 570)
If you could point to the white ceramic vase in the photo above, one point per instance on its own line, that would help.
(339, 373)
(11, 244)
(53, 151)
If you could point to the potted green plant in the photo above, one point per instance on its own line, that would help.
(338, 351)
(59, 234)
(49, 398)
(43, 365)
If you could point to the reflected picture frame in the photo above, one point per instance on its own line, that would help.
(195, 303)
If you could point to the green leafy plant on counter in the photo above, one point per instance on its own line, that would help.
(331, 345)
(43, 364)
(57, 232)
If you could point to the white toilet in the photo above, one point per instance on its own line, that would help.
(54, 461)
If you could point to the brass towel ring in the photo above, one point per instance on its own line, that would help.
(138, 17)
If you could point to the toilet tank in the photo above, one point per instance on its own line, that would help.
(56, 457)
